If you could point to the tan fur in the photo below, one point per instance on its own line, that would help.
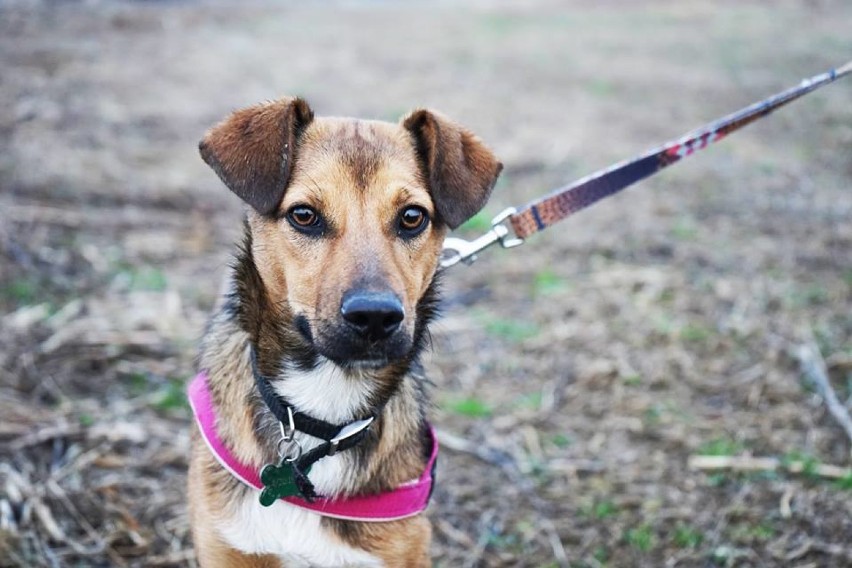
(360, 175)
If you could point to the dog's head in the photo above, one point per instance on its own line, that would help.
(348, 216)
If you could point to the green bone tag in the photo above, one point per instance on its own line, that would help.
(278, 482)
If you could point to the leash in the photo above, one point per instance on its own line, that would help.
(567, 200)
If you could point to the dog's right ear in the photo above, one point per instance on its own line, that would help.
(252, 150)
(460, 169)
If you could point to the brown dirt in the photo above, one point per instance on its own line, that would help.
(573, 377)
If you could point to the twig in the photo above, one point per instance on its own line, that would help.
(62, 430)
(821, 547)
(179, 557)
(813, 366)
(749, 463)
(509, 466)
(490, 455)
(475, 555)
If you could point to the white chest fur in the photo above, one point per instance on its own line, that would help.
(326, 393)
(289, 532)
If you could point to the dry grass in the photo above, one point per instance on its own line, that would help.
(574, 378)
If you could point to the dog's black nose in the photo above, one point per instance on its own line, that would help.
(374, 315)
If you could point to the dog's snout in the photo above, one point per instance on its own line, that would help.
(374, 315)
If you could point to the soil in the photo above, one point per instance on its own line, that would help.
(574, 378)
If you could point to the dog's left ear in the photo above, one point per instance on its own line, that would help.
(252, 150)
(460, 169)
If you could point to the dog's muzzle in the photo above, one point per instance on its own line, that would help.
(368, 330)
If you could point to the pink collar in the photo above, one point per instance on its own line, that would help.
(406, 500)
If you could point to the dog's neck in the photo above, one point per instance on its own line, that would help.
(328, 392)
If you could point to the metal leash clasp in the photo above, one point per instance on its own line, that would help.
(459, 250)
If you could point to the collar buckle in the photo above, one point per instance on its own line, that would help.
(348, 431)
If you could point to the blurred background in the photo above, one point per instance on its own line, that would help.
(575, 377)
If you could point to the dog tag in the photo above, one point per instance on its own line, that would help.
(278, 481)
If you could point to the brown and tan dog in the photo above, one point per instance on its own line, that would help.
(332, 290)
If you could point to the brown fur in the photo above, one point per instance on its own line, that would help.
(287, 289)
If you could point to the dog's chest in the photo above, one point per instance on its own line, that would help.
(293, 534)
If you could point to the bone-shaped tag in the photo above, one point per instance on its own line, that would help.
(278, 481)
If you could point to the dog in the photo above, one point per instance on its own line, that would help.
(320, 331)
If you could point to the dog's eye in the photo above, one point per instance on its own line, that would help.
(305, 219)
(412, 221)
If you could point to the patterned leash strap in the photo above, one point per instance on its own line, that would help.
(566, 201)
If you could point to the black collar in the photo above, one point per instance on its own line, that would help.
(337, 437)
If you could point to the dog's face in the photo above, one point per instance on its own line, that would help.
(348, 217)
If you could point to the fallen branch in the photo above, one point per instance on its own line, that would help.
(813, 366)
(752, 464)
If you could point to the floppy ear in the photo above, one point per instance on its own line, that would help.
(252, 150)
(460, 169)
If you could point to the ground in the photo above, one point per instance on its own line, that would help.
(574, 378)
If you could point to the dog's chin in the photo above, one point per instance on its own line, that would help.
(359, 356)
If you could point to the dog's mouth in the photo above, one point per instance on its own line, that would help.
(349, 349)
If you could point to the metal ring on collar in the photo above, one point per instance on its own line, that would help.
(286, 450)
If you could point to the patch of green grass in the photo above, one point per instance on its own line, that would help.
(653, 414)
(500, 25)
(667, 296)
(633, 380)
(695, 333)
(599, 509)
(21, 291)
(138, 383)
(479, 223)
(684, 229)
(138, 277)
(767, 167)
(751, 532)
(604, 509)
(600, 88)
(531, 401)
(513, 330)
(561, 440)
(847, 277)
(687, 537)
(472, 407)
(718, 479)
(148, 278)
(548, 282)
(171, 396)
(720, 447)
(664, 324)
(85, 419)
(601, 554)
(844, 483)
(641, 538)
(723, 554)
(810, 464)
(510, 541)
(811, 295)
